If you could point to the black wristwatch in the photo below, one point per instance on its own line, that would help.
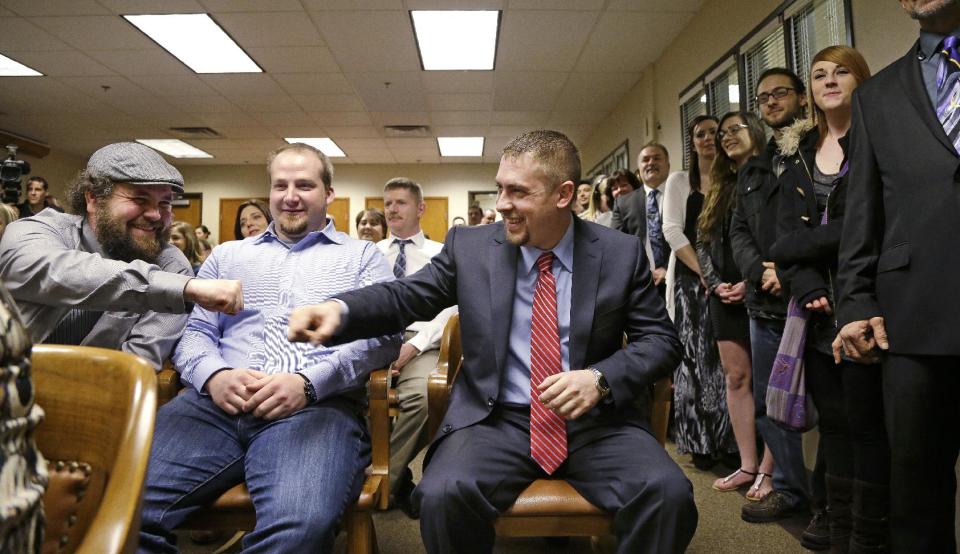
(308, 390)
(602, 386)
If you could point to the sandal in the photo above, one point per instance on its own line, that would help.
(728, 484)
(753, 495)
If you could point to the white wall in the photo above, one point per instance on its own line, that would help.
(354, 181)
(882, 33)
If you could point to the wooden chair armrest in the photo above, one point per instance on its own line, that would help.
(379, 399)
(441, 379)
(660, 408)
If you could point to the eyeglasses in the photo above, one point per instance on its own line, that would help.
(730, 130)
(778, 93)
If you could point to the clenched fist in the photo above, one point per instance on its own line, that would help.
(216, 295)
(314, 324)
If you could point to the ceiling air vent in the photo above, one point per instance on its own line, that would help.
(406, 131)
(195, 132)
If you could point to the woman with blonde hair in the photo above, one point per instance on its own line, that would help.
(184, 237)
(8, 214)
(847, 395)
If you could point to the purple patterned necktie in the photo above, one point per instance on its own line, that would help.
(948, 90)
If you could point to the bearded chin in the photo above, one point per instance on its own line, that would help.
(119, 244)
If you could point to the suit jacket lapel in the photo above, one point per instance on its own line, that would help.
(911, 79)
(587, 259)
(502, 259)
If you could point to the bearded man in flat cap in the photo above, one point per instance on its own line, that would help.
(106, 275)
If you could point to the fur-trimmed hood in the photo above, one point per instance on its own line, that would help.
(791, 136)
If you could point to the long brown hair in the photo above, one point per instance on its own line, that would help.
(722, 197)
(849, 58)
(694, 172)
(193, 254)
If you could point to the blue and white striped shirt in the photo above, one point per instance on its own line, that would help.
(278, 277)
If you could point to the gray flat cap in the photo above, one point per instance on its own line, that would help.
(134, 163)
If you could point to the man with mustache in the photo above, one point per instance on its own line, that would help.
(781, 98)
(285, 418)
(106, 275)
(408, 250)
(547, 386)
(641, 212)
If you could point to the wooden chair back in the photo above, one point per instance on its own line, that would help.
(100, 407)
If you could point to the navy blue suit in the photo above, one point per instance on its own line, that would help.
(480, 461)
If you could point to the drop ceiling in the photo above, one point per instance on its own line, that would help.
(342, 69)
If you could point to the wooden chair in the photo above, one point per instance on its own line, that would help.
(100, 407)
(548, 507)
(234, 509)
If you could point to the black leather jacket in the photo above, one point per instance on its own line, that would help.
(753, 229)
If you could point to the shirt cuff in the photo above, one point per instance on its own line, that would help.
(344, 314)
(420, 341)
(322, 377)
(166, 292)
(205, 370)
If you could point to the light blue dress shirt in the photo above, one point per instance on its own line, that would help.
(515, 385)
(278, 277)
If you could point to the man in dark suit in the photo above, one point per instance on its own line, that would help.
(546, 386)
(899, 241)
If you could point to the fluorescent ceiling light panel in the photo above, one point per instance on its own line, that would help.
(12, 68)
(460, 146)
(456, 39)
(325, 145)
(197, 41)
(175, 147)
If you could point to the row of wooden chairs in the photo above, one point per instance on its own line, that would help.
(101, 407)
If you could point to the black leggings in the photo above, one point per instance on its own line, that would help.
(849, 399)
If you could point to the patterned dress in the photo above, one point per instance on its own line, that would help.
(701, 421)
(23, 471)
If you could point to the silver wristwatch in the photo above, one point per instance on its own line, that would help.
(602, 386)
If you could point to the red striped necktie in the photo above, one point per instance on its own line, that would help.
(548, 432)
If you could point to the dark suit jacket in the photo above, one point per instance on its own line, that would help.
(630, 214)
(612, 294)
(898, 254)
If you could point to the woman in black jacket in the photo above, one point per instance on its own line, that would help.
(848, 396)
(740, 137)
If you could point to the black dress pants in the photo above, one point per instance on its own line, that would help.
(923, 423)
(477, 472)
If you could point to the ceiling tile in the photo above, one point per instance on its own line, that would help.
(461, 130)
(152, 61)
(526, 90)
(19, 35)
(461, 118)
(361, 131)
(400, 118)
(50, 7)
(440, 102)
(510, 131)
(349, 34)
(519, 118)
(6, 13)
(203, 104)
(370, 156)
(252, 5)
(655, 5)
(340, 118)
(243, 84)
(447, 82)
(543, 40)
(294, 131)
(461, 159)
(455, 4)
(575, 117)
(595, 91)
(294, 59)
(362, 143)
(416, 156)
(313, 83)
(292, 118)
(266, 102)
(556, 4)
(62, 64)
(329, 102)
(353, 4)
(246, 132)
(628, 41)
(229, 119)
(412, 143)
(390, 91)
(493, 146)
(96, 32)
(174, 85)
(262, 146)
(129, 7)
(270, 29)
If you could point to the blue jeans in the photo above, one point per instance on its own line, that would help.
(303, 471)
(789, 473)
